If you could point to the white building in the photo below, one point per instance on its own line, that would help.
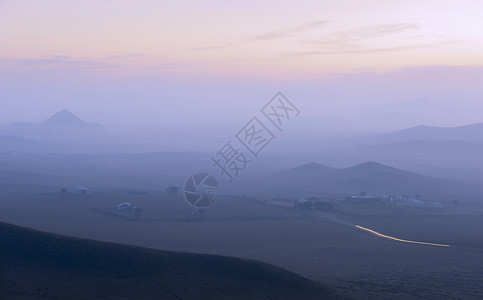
(81, 190)
(406, 201)
(127, 206)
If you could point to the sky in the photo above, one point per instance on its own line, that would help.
(137, 64)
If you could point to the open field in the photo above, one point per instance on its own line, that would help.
(322, 247)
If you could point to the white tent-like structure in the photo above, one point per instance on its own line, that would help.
(434, 205)
(127, 206)
(411, 202)
(124, 206)
(81, 190)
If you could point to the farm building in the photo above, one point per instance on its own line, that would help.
(363, 199)
(127, 206)
(406, 200)
(434, 205)
(313, 204)
(81, 190)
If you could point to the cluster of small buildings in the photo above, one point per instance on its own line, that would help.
(313, 204)
(403, 200)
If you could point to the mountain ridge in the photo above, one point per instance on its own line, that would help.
(470, 132)
(67, 119)
(371, 176)
(311, 167)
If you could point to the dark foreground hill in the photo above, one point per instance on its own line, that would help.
(37, 265)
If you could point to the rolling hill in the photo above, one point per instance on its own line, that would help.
(15, 143)
(311, 167)
(62, 120)
(383, 179)
(472, 132)
(37, 265)
(370, 176)
(62, 132)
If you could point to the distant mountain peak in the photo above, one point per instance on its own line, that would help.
(66, 118)
(311, 167)
(471, 132)
(373, 166)
(421, 126)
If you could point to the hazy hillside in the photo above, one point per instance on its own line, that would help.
(62, 132)
(311, 167)
(37, 265)
(375, 168)
(15, 143)
(380, 178)
(60, 121)
(472, 132)
(373, 177)
(64, 118)
(451, 155)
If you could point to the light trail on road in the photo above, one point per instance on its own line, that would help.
(399, 240)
